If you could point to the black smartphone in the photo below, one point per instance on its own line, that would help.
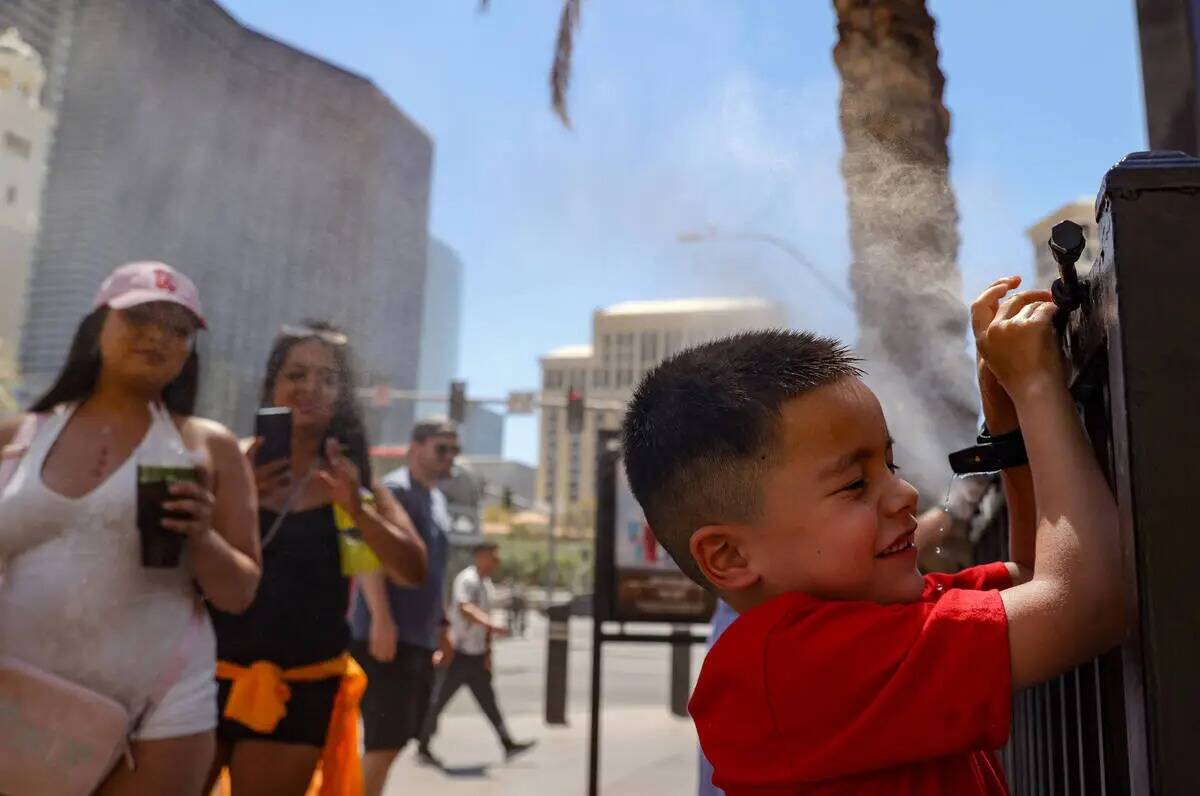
(274, 426)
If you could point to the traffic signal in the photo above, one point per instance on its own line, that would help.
(458, 401)
(574, 411)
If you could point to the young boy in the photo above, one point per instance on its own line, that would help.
(765, 467)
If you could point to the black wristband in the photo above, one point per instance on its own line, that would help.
(990, 454)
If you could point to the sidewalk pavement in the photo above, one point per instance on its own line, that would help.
(645, 751)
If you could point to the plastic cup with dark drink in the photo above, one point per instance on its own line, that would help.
(162, 462)
(160, 547)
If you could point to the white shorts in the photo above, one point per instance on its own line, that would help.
(190, 704)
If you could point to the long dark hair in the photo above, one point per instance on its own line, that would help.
(77, 380)
(347, 422)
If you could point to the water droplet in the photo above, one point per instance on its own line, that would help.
(949, 487)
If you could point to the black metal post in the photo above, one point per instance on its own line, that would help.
(608, 455)
(1147, 283)
(558, 638)
(1124, 724)
(681, 669)
(1169, 34)
(594, 751)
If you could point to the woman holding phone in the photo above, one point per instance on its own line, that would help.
(79, 598)
(293, 640)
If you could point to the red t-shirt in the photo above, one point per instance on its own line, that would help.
(807, 696)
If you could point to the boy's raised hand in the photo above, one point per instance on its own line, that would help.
(998, 411)
(1015, 338)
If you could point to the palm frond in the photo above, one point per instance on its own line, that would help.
(560, 73)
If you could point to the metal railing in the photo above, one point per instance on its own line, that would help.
(1068, 735)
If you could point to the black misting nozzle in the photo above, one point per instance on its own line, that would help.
(1066, 244)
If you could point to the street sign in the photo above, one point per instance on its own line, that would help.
(647, 585)
(520, 403)
(636, 580)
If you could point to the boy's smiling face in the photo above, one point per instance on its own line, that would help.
(836, 521)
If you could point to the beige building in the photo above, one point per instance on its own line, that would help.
(628, 340)
(1083, 212)
(24, 138)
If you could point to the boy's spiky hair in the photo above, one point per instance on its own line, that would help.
(701, 429)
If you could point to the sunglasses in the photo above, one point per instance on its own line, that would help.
(324, 335)
(447, 450)
(170, 317)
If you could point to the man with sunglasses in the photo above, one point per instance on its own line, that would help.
(401, 634)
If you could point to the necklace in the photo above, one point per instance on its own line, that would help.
(269, 536)
(101, 467)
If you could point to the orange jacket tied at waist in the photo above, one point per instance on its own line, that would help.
(258, 699)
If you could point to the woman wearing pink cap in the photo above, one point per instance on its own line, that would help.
(79, 597)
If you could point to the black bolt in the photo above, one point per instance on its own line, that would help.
(1067, 241)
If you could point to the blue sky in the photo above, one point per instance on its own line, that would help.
(690, 113)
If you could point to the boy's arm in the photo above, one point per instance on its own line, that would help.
(1022, 523)
(1000, 416)
(1073, 608)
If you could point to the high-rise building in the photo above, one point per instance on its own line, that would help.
(1083, 212)
(46, 25)
(24, 138)
(482, 434)
(441, 326)
(482, 430)
(627, 341)
(286, 187)
(560, 455)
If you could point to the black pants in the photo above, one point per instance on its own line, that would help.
(471, 671)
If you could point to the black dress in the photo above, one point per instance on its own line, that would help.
(298, 618)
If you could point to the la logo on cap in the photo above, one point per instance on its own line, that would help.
(164, 280)
(143, 282)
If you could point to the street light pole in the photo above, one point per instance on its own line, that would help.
(712, 234)
(552, 552)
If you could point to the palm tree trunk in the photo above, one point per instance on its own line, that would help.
(902, 213)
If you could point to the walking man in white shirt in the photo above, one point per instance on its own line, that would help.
(471, 630)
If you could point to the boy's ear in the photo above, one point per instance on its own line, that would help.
(717, 551)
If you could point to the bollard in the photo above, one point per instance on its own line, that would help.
(681, 669)
(558, 638)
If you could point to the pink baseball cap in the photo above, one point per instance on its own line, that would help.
(144, 282)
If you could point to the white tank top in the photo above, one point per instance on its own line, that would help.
(75, 599)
